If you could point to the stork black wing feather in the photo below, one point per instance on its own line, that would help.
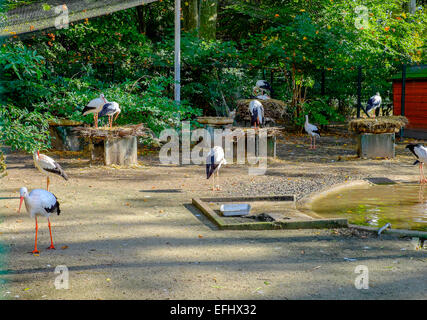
(108, 107)
(57, 170)
(210, 167)
(412, 146)
(254, 116)
(54, 208)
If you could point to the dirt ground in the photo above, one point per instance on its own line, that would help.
(133, 233)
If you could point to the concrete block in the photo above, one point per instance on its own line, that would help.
(372, 145)
(122, 151)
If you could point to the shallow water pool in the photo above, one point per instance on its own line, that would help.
(403, 205)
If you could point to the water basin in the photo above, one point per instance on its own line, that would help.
(403, 205)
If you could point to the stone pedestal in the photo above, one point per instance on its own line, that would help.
(376, 145)
(121, 151)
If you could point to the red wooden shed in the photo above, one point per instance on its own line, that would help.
(415, 103)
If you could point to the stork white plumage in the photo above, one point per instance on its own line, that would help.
(312, 131)
(421, 153)
(256, 111)
(95, 106)
(110, 109)
(48, 166)
(264, 86)
(373, 103)
(39, 202)
(214, 161)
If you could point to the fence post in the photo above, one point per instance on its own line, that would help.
(359, 90)
(402, 101)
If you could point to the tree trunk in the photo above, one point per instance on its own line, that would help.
(208, 18)
(142, 27)
(190, 11)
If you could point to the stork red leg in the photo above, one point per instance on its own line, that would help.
(47, 183)
(35, 241)
(50, 232)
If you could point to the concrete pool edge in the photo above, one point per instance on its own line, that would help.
(305, 205)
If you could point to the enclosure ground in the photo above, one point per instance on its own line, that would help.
(133, 233)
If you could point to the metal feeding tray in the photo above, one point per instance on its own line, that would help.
(235, 209)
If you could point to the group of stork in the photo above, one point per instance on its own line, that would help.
(100, 107)
(44, 203)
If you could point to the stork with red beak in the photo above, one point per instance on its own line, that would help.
(47, 166)
(95, 106)
(39, 202)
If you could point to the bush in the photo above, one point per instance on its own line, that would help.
(319, 112)
(21, 129)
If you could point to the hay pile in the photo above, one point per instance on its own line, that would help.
(273, 110)
(378, 125)
(101, 133)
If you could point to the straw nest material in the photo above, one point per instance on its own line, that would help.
(378, 125)
(273, 109)
(102, 133)
(239, 132)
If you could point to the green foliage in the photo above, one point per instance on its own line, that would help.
(23, 130)
(319, 112)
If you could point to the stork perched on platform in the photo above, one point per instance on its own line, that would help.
(214, 161)
(373, 103)
(312, 131)
(256, 111)
(39, 202)
(95, 106)
(110, 109)
(421, 153)
(48, 166)
(264, 86)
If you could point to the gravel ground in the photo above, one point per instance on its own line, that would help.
(133, 234)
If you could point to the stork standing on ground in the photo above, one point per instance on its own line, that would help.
(39, 202)
(110, 109)
(256, 111)
(421, 153)
(373, 103)
(47, 166)
(95, 106)
(214, 161)
(312, 131)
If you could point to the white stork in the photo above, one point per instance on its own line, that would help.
(313, 132)
(264, 86)
(39, 202)
(47, 166)
(421, 153)
(373, 103)
(256, 111)
(214, 161)
(95, 106)
(110, 109)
